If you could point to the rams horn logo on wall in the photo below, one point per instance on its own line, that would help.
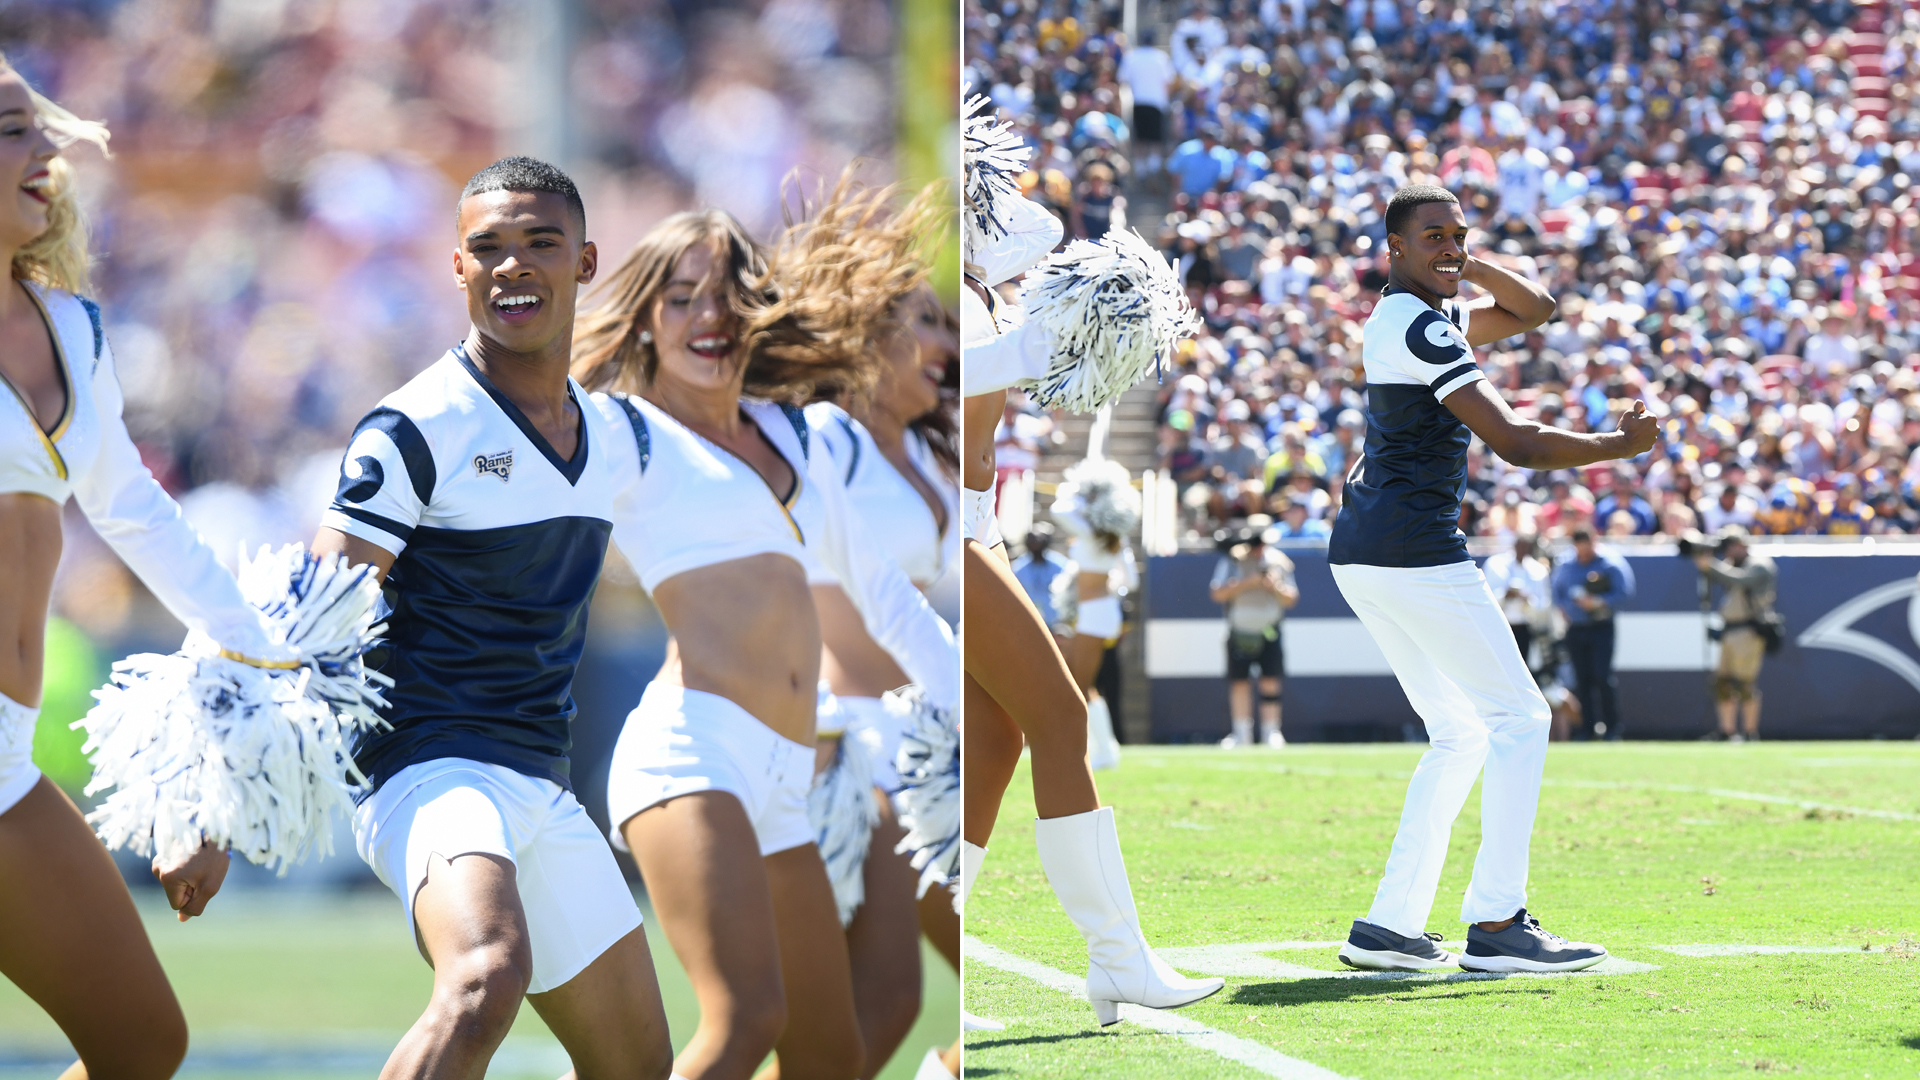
(498, 464)
(1834, 630)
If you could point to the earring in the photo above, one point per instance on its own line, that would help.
(646, 337)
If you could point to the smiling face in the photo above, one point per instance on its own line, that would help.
(1432, 251)
(916, 350)
(521, 262)
(25, 151)
(695, 334)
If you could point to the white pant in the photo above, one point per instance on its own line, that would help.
(978, 521)
(1456, 659)
(679, 741)
(576, 902)
(1099, 618)
(17, 771)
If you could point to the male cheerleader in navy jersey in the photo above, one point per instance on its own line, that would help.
(482, 492)
(1401, 563)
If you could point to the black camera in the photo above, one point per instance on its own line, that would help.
(1598, 583)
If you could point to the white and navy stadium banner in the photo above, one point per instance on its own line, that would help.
(1850, 668)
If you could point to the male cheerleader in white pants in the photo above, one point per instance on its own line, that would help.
(1401, 562)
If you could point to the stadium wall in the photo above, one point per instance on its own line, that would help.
(1850, 668)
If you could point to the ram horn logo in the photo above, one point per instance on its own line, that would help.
(1835, 630)
(499, 464)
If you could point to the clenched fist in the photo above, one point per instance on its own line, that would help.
(1641, 429)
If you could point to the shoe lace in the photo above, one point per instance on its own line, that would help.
(1527, 919)
(1434, 937)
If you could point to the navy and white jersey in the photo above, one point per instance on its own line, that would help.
(499, 543)
(1401, 502)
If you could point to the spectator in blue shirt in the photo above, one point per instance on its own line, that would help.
(1199, 164)
(1622, 498)
(1295, 525)
(1036, 568)
(1587, 589)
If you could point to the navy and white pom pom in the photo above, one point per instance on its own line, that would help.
(201, 747)
(929, 804)
(843, 813)
(1115, 310)
(993, 157)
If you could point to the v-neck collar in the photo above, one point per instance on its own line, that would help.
(569, 469)
(49, 439)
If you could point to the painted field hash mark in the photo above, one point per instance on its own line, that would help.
(1262, 1059)
(1762, 950)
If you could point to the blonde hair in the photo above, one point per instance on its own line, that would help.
(809, 310)
(59, 257)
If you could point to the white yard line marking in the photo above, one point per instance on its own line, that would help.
(1756, 950)
(1248, 960)
(1261, 1059)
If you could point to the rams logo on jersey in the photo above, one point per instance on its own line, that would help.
(360, 479)
(498, 464)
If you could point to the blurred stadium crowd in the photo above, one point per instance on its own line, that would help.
(274, 223)
(1718, 192)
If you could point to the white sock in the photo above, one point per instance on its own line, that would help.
(1243, 730)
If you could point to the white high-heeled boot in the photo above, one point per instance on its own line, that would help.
(971, 856)
(1103, 750)
(1081, 855)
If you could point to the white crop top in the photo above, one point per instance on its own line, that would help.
(90, 457)
(689, 503)
(886, 504)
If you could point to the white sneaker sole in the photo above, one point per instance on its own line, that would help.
(970, 1022)
(1508, 965)
(1387, 960)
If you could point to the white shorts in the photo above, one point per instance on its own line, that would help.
(880, 731)
(1099, 618)
(17, 773)
(679, 741)
(977, 519)
(576, 902)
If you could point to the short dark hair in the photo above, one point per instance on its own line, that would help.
(527, 174)
(1410, 198)
(1582, 534)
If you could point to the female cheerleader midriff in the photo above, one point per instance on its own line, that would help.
(710, 777)
(73, 940)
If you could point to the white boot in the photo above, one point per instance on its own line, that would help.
(1103, 750)
(1081, 855)
(971, 856)
(932, 1068)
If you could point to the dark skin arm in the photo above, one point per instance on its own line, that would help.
(1514, 304)
(1532, 445)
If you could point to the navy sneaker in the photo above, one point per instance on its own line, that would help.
(1376, 948)
(1524, 946)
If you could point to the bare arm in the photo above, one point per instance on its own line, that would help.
(357, 551)
(1533, 445)
(1515, 306)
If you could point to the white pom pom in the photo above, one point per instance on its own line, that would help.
(199, 747)
(993, 156)
(1101, 493)
(1115, 310)
(843, 814)
(929, 804)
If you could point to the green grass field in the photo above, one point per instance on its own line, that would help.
(1640, 847)
(320, 986)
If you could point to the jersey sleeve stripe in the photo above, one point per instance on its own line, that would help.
(414, 453)
(400, 532)
(1456, 377)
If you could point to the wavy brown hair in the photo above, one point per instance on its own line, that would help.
(808, 311)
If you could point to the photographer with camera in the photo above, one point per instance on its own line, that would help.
(1254, 582)
(1749, 627)
(1587, 588)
